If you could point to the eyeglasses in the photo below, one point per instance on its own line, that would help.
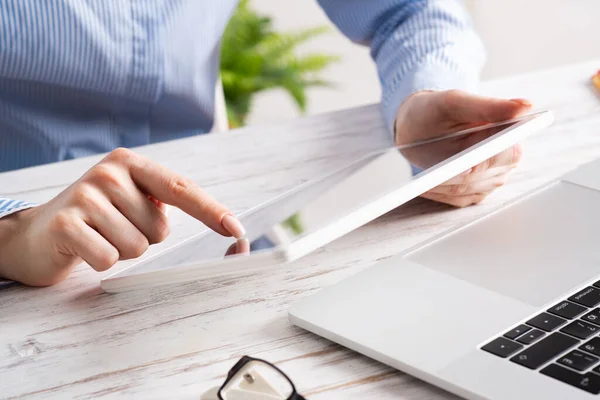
(255, 379)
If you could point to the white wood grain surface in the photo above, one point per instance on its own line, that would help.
(74, 341)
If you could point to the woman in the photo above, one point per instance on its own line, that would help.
(81, 77)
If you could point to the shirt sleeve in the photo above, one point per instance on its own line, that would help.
(7, 207)
(416, 44)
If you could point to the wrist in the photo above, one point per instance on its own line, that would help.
(12, 229)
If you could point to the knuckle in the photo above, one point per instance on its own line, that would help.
(465, 201)
(85, 197)
(62, 223)
(106, 260)
(121, 155)
(161, 230)
(81, 191)
(451, 97)
(140, 248)
(104, 175)
(179, 186)
(136, 248)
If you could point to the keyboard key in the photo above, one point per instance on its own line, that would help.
(588, 382)
(566, 309)
(592, 346)
(544, 350)
(597, 284)
(593, 316)
(502, 347)
(546, 322)
(580, 329)
(588, 297)
(531, 336)
(578, 360)
(518, 331)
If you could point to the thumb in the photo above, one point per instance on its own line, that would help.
(464, 107)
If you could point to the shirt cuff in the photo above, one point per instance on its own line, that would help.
(415, 170)
(5, 283)
(423, 77)
(8, 206)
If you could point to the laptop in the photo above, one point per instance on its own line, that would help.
(506, 307)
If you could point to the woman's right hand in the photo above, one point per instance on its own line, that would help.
(113, 212)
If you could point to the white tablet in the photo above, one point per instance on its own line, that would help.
(320, 211)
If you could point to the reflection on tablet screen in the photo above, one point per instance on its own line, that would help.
(320, 202)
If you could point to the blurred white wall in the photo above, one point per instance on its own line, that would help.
(355, 75)
(525, 35)
(520, 36)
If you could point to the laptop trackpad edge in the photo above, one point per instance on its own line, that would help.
(535, 250)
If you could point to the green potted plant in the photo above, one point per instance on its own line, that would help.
(255, 58)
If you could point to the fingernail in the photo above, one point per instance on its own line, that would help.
(522, 102)
(233, 226)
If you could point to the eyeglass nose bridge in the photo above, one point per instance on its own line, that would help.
(255, 377)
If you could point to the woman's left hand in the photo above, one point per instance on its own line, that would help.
(426, 114)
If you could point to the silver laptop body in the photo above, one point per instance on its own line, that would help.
(503, 308)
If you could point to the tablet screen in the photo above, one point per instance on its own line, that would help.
(318, 203)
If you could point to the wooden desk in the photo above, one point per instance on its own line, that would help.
(74, 341)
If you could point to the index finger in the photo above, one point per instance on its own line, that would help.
(168, 187)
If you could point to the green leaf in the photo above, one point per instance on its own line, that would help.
(255, 58)
(313, 62)
(278, 45)
(297, 90)
(294, 224)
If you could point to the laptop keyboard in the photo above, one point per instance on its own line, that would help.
(563, 342)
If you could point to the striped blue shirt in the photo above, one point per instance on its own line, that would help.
(81, 77)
